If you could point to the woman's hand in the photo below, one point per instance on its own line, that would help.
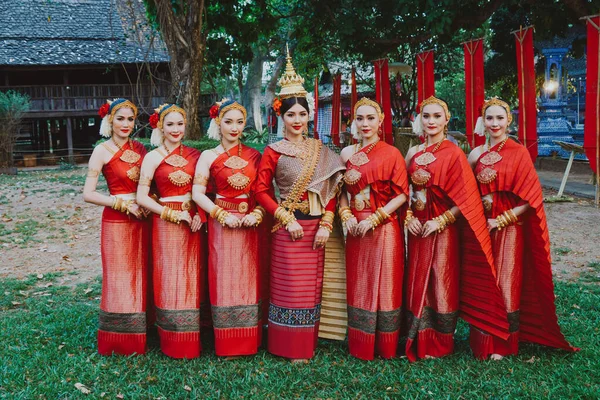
(196, 223)
(295, 230)
(321, 238)
(136, 210)
(351, 225)
(415, 227)
(362, 228)
(430, 227)
(492, 224)
(231, 221)
(249, 221)
(185, 216)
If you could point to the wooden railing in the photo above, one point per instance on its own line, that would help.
(65, 98)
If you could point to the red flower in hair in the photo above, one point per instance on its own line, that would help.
(154, 118)
(214, 111)
(277, 106)
(104, 110)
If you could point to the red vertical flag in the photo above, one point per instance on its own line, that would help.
(336, 108)
(527, 106)
(474, 88)
(316, 117)
(382, 94)
(425, 77)
(591, 136)
(354, 94)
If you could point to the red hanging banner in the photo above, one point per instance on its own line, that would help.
(336, 109)
(354, 95)
(425, 77)
(591, 135)
(474, 88)
(316, 117)
(527, 106)
(382, 95)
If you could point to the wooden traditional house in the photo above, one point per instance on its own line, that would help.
(69, 57)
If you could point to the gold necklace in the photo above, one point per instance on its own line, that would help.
(488, 174)
(421, 176)
(130, 157)
(238, 180)
(178, 177)
(358, 159)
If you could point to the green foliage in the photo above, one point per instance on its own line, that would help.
(252, 135)
(12, 107)
(50, 345)
(451, 88)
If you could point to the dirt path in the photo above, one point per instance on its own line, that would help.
(45, 227)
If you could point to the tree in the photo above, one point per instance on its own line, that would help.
(181, 24)
(12, 107)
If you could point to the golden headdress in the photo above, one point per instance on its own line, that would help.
(368, 102)
(495, 101)
(439, 102)
(291, 82)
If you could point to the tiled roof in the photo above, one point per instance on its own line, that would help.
(59, 32)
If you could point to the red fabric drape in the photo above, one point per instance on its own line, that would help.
(527, 106)
(425, 78)
(382, 94)
(336, 106)
(316, 119)
(353, 98)
(591, 138)
(474, 88)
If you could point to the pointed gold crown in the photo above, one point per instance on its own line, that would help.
(495, 101)
(291, 82)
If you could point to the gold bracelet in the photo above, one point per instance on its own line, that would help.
(512, 216)
(328, 217)
(327, 225)
(344, 210)
(222, 216)
(93, 173)
(170, 215)
(346, 215)
(441, 223)
(501, 221)
(215, 211)
(125, 206)
(258, 216)
(117, 203)
(409, 217)
(451, 218)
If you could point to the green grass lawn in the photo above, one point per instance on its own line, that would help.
(48, 344)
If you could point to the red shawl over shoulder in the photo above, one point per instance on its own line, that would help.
(481, 302)
(538, 321)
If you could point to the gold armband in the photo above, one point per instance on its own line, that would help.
(93, 173)
(145, 181)
(200, 180)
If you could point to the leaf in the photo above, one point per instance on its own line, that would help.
(66, 258)
(120, 396)
(81, 387)
(531, 360)
(40, 276)
(186, 387)
(16, 303)
(88, 290)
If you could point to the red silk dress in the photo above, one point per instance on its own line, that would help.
(375, 263)
(178, 260)
(296, 273)
(449, 273)
(125, 261)
(234, 260)
(524, 277)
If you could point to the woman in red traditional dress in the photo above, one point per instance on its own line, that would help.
(234, 269)
(450, 268)
(125, 232)
(176, 238)
(512, 199)
(376, 181)
(308, 176)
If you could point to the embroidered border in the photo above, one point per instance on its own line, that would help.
(430, 319)
(294, 316)
(370, 321)
(245, 316)
(513, 321)
(122, 322)
(178, 320)
(388, 321)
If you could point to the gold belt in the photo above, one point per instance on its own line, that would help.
(179, 206)
(228, 205)
(303, 206)
(359, 204)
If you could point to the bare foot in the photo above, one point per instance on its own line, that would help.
(299, 361)
(496, 357)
